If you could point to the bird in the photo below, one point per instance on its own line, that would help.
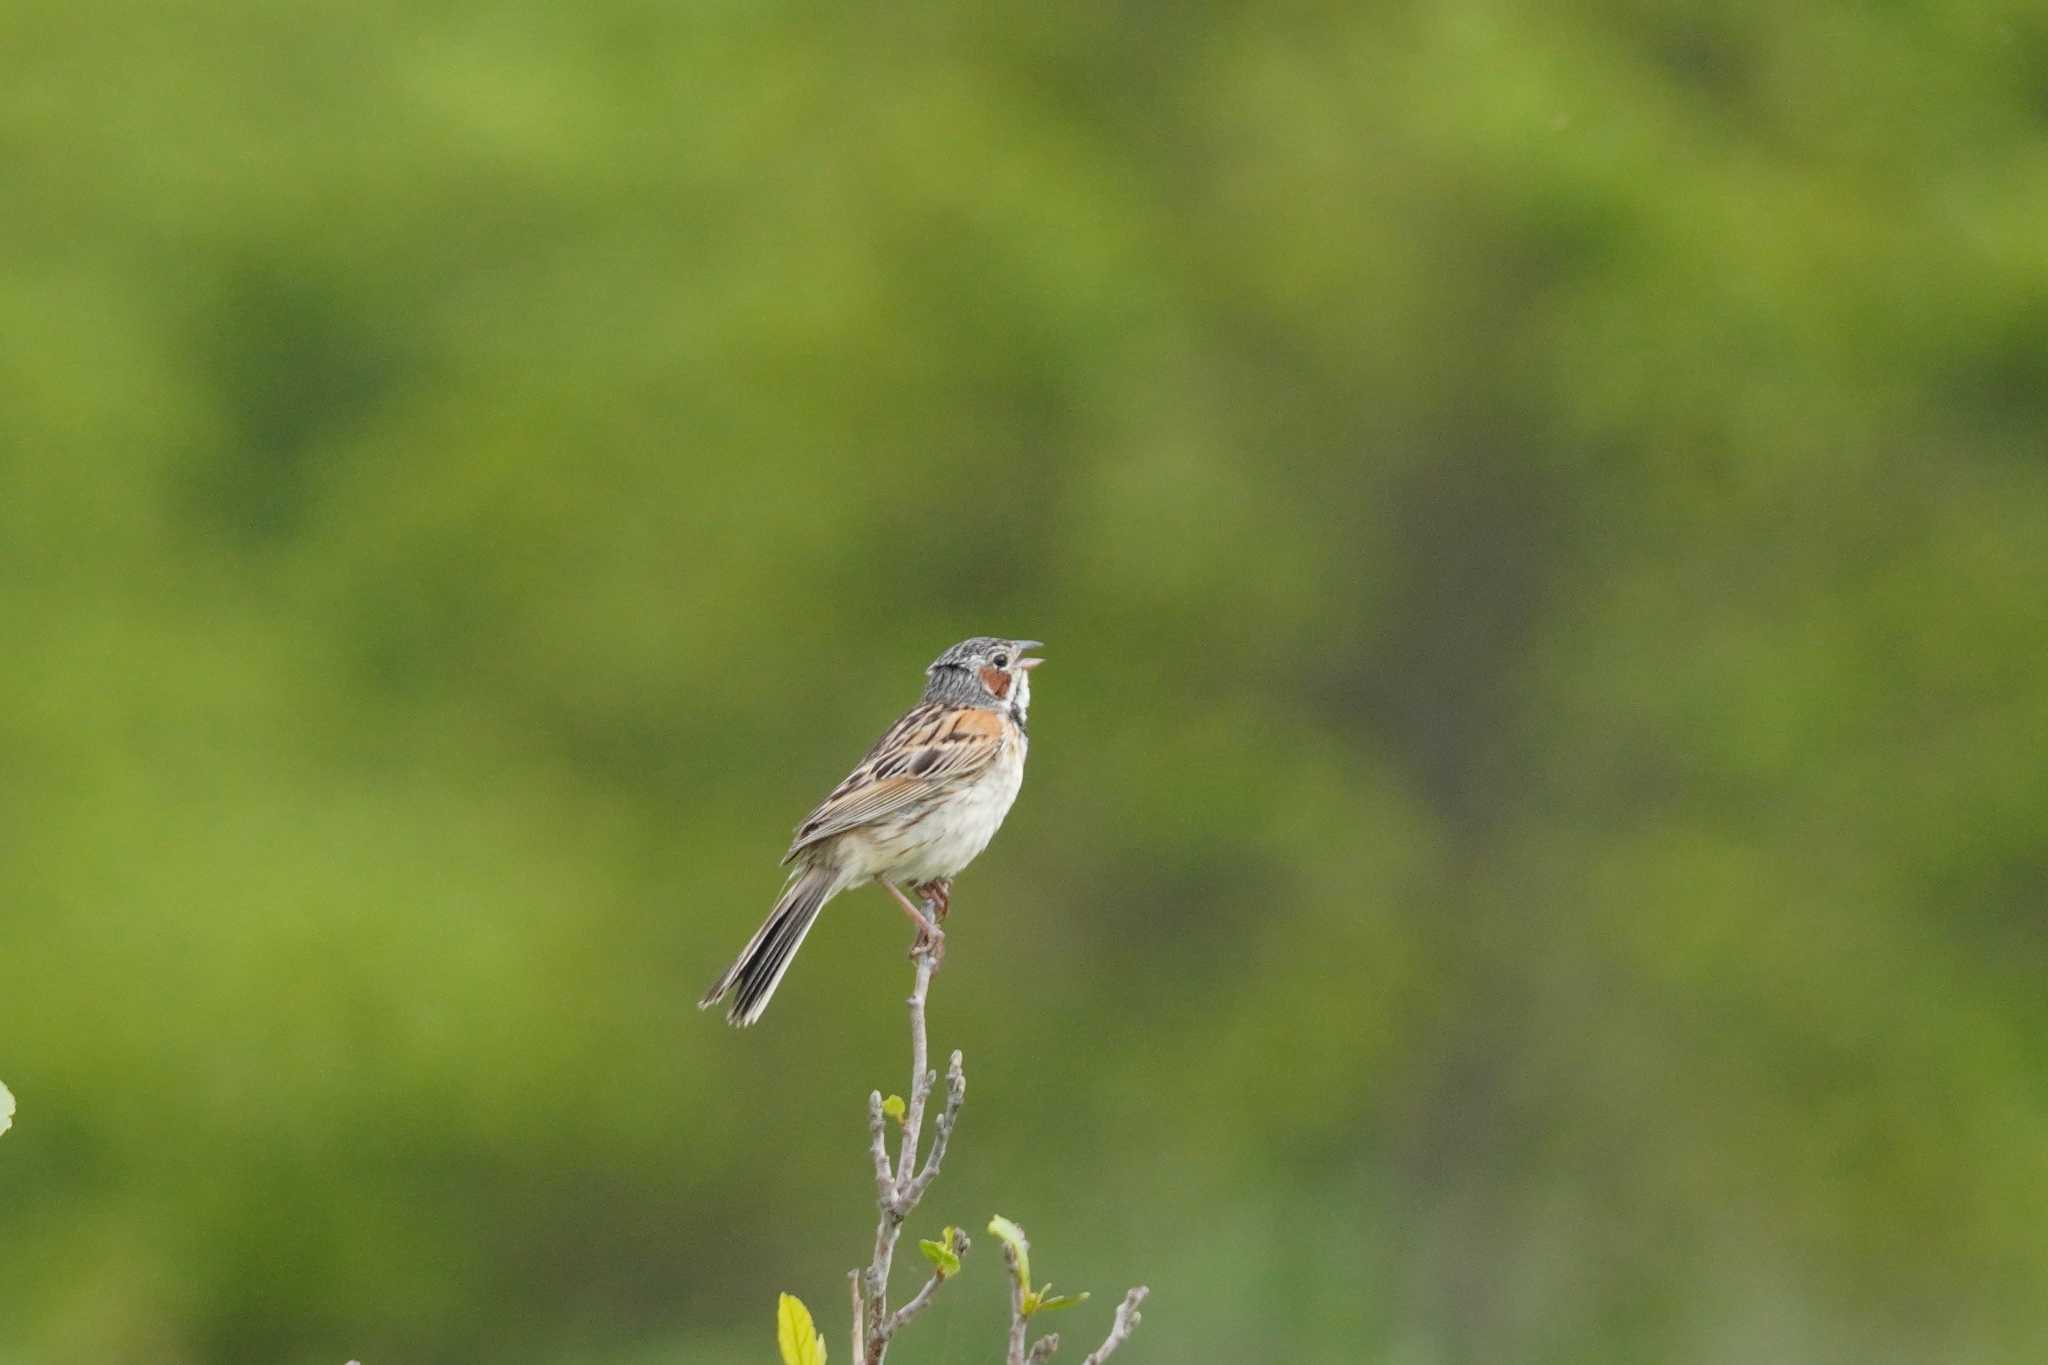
(916, 810)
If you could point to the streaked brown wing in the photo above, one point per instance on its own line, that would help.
(931, 748)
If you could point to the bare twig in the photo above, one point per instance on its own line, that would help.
(1020, 1321)
(918, 1301)
(921, 1080)
(1025, 1301)
(860, 1336)
(901, 1181)
(878, 1146)
(1127, 1320)
(899, 1185)
(942, 1129)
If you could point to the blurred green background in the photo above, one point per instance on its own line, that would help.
(1537, 832)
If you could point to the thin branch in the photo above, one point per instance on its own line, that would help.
(920, 1079)
(1127, 1320)
(900, 1184)
(1019, 1322)
(919, 1300)
(860, 1336)
(878, 1147)
(942, 1128)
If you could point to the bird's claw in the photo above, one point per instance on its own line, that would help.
(938, 895)
(932, 941)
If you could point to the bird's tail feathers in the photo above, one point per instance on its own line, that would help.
(758, 970)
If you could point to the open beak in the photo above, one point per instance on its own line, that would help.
(1023, 645)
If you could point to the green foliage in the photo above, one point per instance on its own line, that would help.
(1036, 1298)
(797, 1339)
(1533, 845)
(945, 1261)
(893, 1108)
(1013, 1239)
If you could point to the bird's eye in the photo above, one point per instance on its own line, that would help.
(1000, 659)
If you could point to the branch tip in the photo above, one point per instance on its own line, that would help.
(1127, 1319)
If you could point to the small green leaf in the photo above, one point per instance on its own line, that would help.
(1047, 1304)
(1012, 1236)
(795, 1335)
(941, 1255)
(895, 1108)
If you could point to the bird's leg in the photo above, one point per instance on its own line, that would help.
(924, 926)
(938, 892)
(929, 935)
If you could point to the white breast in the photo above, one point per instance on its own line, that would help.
(942, 840)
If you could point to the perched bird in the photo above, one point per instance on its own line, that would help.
(915, 811)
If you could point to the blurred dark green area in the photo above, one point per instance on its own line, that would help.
(1537, 840)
